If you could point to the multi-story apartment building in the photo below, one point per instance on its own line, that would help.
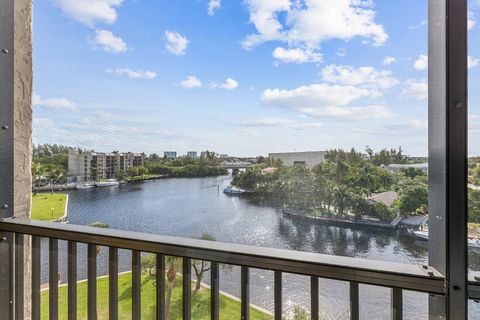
(92, 166)
(170, 154)
(192, 154)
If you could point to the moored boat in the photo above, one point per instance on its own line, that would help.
(233, 190)
(471, 242)
(107, 183)
(85, 185)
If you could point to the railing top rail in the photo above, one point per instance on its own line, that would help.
(389, 274)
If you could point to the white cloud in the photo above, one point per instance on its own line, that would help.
(325, 100)
(90, 12)
(191, 82)
(109, 42)
(341, 52)
(229, 84)
(278, 122)
(388, 60)
(470, 24)
(421, 24)
(306, 24)
(54, 103)
(363, 77)
(213, 6)
(132, 74)
(421, 63)
(176, 43)
(472, 62)
(43, 123)
(471, 20)
(296, 55)
(416, 90)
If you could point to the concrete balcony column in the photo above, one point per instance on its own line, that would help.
(15, 139)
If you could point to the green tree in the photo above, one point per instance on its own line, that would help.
(201, 266)
(149, 263)
(300, 313)
(413, 198)
(474, 205)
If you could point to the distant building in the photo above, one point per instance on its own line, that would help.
(397, 167)
(93, 166)
(170, 154)
(223, 156)
(192, 154)
(387, 198)
(308, 158)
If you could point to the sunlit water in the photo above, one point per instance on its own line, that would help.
(191, 207)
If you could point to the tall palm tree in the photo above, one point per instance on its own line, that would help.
(342, 168)
(56, 174)
(37, 171)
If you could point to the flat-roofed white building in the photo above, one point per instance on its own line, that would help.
(192, 154)
(307, 158)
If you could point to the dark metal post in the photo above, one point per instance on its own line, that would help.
(113, 283)
(214, 292)
(448, 153)
(72, 280)
(278, 297)
(6, 153)
(245, 293)
(187, 288)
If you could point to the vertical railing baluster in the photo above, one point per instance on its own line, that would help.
(354, 306)
(214, 291)
(72, 280)
(53, 279)
(92, 282)
(187, 288)
(278, 295)
(245, 294)
(11, 272)
(160, 274)
(112, 283)
(314, 298)
(19, 276)
(36, 244)
(397, 304)
(136, 283)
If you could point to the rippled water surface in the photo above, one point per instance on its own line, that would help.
(191, 207)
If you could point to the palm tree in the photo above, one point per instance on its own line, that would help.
(56, 174)
(342, 168)
(37, 171)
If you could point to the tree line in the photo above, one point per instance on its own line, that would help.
(341, 185)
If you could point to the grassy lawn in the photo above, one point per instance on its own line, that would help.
(229, 309)
(42, 204)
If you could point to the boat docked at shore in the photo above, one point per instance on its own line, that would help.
(423, 235)
(107, 183)
(233, 190)
(85, 185)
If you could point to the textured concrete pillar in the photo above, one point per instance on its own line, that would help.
(23, 108)
(23, 128)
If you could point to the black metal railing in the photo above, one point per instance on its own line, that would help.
(356, 271)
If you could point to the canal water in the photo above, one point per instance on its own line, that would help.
(191, 207)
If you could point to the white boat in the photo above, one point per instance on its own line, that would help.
(233, 190)
(421, 234)
(472, 242)
(107, 183)
(85, 185)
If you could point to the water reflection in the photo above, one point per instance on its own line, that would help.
(191, 207)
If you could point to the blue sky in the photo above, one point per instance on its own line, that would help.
(238, 77)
